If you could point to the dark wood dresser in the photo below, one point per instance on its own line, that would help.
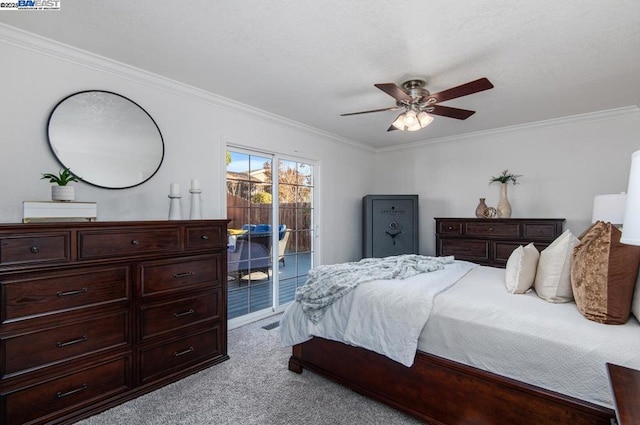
(490, 241)
(94, 314)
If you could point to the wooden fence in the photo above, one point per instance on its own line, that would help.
(296, 216)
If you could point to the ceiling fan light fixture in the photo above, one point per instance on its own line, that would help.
(412, 121)
(399, 122)
(425, 119)
(419, 103)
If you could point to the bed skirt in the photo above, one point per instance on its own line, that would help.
(443, 392)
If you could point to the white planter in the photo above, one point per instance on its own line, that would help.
(62, 193)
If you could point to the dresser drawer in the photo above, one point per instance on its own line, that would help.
(449, 227)
(172, 276)
(67, 393)
(487, 229)
(159, 361)
(25, 249)
(48, 293)
(465, 249)
(206, 237)
(52, 345)
(174, 315)
(125, 243)
(502, 250)
(544, 231)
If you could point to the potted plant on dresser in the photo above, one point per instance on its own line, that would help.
(504, 207)
(61, 191)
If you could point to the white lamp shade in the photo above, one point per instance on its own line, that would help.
(609, 208)
(631, 223)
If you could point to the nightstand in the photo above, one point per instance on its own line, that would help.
(625, 384)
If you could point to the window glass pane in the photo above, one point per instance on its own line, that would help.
(303, 217)
(303, 196)
(253, 255)
(305, 174)
(258, 166)
(287, 216)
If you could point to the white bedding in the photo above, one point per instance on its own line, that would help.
(478, 323)
(385, 316)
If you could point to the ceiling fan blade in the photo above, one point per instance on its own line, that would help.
(462, 90)
(394, 91)
(393, 108)
(447, 111)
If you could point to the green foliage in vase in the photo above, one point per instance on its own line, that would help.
(63, 178)
(505, 177)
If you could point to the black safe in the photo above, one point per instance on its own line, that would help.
(389, 225)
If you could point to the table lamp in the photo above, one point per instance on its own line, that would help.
(631, 222)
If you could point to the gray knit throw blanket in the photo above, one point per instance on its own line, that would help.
(325, 284)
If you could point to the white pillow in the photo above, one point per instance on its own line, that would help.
(553, 277)
(521, 269)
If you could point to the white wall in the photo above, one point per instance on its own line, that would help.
(36, 74)
(564, 163)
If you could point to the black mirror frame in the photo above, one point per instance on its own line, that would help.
(125, 98)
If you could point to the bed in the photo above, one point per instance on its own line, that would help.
(484, 356)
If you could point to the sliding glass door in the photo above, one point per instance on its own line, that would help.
(271, 232)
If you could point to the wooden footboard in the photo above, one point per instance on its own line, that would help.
(444, 392)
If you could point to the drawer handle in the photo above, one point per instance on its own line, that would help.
(491, 229)
(135, 242)
(35, 249)
(204, 237)
(185, 274)
(180, 353)
(73, 341)
(77, 390)
(184, 313)
(450, 228)
(66, 294)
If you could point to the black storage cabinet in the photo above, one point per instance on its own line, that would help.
(389, 225)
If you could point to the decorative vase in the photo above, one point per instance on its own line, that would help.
(62, 193)
(504, 207)
(481, 208)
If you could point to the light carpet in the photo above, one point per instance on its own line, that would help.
(253, 387)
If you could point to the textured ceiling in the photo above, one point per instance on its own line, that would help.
(310, 61)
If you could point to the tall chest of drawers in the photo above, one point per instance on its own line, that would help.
(94, 314)
(490, 241)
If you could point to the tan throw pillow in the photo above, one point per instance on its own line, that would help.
(603, 275)
(521, 269)
(553, 277)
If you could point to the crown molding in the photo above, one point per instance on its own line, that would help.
(627, 111)
(42, 45)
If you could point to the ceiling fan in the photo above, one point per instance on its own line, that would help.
(418, 103)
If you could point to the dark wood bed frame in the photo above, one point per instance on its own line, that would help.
(443, 392)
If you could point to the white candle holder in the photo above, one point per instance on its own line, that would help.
(196, 211)
(175, 211)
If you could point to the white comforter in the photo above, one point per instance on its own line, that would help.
(385, 316)
(478, 323)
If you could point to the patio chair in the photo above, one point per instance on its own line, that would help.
(282, 245)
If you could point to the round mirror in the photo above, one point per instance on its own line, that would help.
(105, 139)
